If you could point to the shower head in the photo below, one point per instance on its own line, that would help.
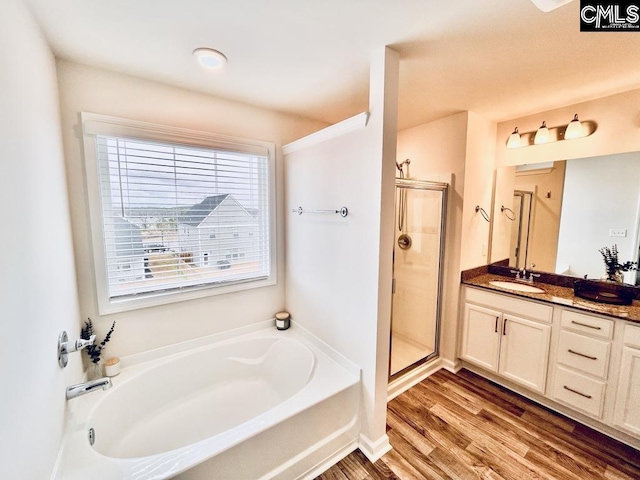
(400, 165)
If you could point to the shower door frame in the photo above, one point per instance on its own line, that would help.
(443, 188)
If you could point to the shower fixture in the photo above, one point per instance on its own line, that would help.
(400, 167)
(402, 202)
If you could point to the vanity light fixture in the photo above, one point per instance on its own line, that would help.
(514, 139)
(542, 135)
(209, 58)
(574, 129)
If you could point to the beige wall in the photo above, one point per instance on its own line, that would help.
(98, 91)
(617, 120)
(37, 277)
(478, 188)
(545, 215)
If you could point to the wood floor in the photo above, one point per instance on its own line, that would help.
(465, 427)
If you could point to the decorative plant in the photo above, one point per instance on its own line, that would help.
(613, 266)
(95, 350)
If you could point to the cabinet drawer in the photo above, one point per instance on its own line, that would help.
(632, 336)
(506, 303)
(598, 327)
(586, 354)
(578, 391)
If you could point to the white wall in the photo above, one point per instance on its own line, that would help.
(598, 198)
(437, 151)
(339, 269)
(93, 90)
(37, 278)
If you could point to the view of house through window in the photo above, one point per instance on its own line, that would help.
(176, 216)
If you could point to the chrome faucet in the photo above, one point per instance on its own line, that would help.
(87, 387)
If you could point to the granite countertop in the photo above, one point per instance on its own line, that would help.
(558, 295)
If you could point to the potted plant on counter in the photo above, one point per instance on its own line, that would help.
(613, 267)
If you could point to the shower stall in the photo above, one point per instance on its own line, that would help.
(417, 272)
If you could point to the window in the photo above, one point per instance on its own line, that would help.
(167, 204)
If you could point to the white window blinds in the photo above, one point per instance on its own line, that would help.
(178, 217)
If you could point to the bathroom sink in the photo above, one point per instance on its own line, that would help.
(517, 287)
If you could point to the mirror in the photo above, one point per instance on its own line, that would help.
(558, 215)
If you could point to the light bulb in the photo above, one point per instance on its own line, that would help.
(542, 135)
(574, 129)
(514, 139)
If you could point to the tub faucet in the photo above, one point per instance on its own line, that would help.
(87, 387)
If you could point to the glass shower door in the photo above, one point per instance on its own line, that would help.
(417, 265)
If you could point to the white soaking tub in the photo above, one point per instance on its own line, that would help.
(265, 404)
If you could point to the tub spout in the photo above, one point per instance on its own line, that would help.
(83, 388)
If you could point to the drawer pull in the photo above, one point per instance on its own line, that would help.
(577, 392)
(585, 325)
(504, 327)
(582, 355)
(496, 329)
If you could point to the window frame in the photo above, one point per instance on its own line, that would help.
(96, 124)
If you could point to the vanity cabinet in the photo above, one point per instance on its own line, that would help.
(582, 362)
(627, 406)
(579, 363)
(515, 347)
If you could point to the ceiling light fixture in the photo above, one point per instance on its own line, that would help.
(514, 139)
(574, 129)
(209, 58)
(548, 5)
(542, 135)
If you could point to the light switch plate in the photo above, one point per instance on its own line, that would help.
(617, 232)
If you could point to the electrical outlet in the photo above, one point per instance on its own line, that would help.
(617, 232)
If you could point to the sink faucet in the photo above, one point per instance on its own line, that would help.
(522, 274)
(87, 387)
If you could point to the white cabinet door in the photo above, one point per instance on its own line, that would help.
(627, 410)
(524, 352)
(480, 343)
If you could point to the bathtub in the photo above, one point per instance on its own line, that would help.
(261, 403)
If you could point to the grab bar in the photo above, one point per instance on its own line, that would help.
(343, 211)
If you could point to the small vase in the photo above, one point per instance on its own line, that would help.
(94, 370)
(614, 277)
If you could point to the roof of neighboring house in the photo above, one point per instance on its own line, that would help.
(128, 238)
(196, 214)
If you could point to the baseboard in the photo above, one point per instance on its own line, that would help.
(330, 461)
(415, 376)
(374, 450)
(453, 366)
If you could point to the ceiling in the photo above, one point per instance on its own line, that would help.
(499, 58)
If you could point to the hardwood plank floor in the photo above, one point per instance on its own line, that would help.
(465, 427)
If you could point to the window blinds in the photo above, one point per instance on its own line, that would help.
(177, 216)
